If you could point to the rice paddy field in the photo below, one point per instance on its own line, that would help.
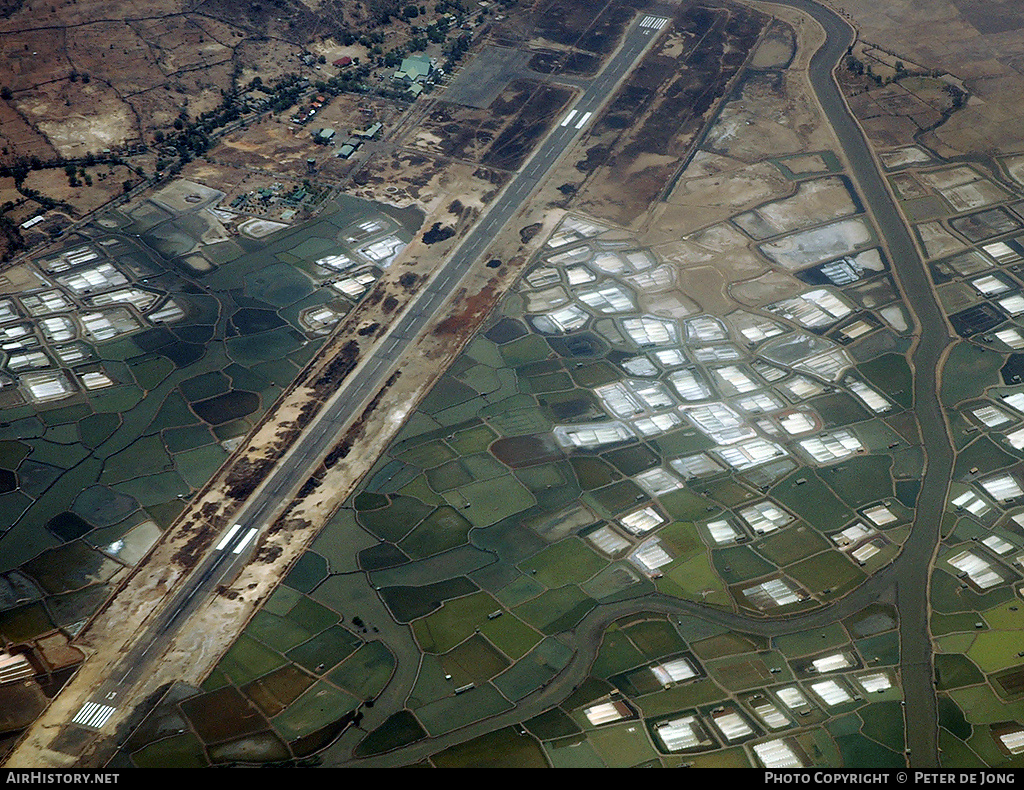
(619, 715)
(600, 440)
(500, 517)
(88, 482)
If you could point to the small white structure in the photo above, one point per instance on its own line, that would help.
(723, 532)
(1013, 741)
(682, 733)
(750, 454)
(774, 592)
(651, 556)
(978, 570)
(764, 517)
(876, 681)
(698, 465)
(732, 726)
(830, 447)
(777, 754)
(972, 503)
(658, 481)
(831, 693)
(675, 671)
(880, 515)
(997, 544)
(606, 712)
(831, 663)
(1002, 487)
(641, 521)
(768, 713)
(608, 541)
(853, 533)
(792, 697)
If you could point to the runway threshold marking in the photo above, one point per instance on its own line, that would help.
(653, 22)
(93, 714)
(583, 119)
(568, 118)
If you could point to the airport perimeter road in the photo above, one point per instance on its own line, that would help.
(113, 700)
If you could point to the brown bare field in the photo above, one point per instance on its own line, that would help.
(979, 43)
(899, 111)
(406, 178)
(18, 136)
(501, 135)
(276, 146)
(107, 183)
(93, 74)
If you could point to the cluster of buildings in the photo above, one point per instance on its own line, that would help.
(304, 116)
(415, 72)
(369, 247)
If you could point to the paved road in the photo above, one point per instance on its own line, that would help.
(305, 455)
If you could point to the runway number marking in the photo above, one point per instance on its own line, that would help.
(245, 541)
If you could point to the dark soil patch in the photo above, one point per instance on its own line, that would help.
(183, 354)
(68, 527)
(252, 321)
(514, 144)
(399, 730)
(547, 61)
(383, 555)
(506, 330)
(409, 603)
(583, 344)
(223, 714)
(437, 233)
(520, 451)
(195, 334)
(154, 339)
(224, 408)
(527, 234)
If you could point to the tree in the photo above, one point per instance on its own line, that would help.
(5, 93)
